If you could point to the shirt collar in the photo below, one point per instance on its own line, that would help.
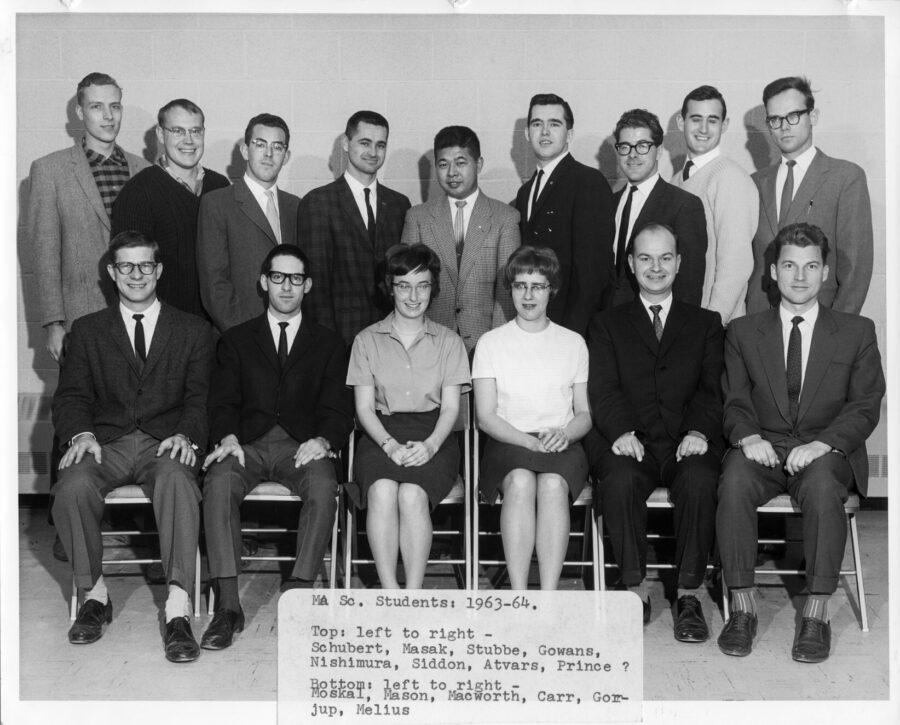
(257, 188)
(164, 163)
(116, 158)
(703, 159)
(787, 317)
(803, 160)
(293, 323)
(666, 305)
(356, 186)
(386, 326)
(646, 186)
(151, 314)
(470, 201)
(551, 165)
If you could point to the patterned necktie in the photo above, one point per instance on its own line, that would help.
(536, 192)
(370, 217)
(282, 344)
(686, 174)
(140, 347)
(272, 215)
(657, 323)
(787, 194)
(623, 233)
(459, 230)
(794, 367)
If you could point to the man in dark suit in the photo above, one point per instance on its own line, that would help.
(567, 207)
(646, 198)
(471, 233)
(240, 224)
(131, 406)
(808, 186)
(803, 387)
(346, 227)
(654, 387)
(279, 409)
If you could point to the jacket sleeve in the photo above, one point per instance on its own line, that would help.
(740, 417)
(690, 228)
(852, 246)
(704, 413)
(214, 265)
(194, 422)
(510, 240)
(314, 235)
(334, 407)
(225, 395)
(46, 242)
(75, 397)
(612, 413)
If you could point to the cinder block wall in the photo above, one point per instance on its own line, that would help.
(425, 72)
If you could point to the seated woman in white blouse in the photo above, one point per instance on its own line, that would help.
(530, 377)
(407, 374)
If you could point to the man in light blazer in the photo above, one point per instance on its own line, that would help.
(346, 227)
(131, 408)
(69, 207)
(472, 234)
(808, 186)
(240, 224)
(803, 386)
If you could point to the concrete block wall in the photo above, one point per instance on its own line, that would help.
(424, 72)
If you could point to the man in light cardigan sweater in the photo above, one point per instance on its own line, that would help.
(730, 201)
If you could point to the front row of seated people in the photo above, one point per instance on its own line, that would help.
(799, 392)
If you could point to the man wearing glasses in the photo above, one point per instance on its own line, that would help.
(131, 408)
(646, 198)
(808, 186)
(163, 201)
(278, 411)
(240, 224)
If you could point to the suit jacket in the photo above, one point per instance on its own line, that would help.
(473, 298)
(575, 217)
(233, 238)
(681, 210)
(250, 393)
(103, 389)
(834, 196)
(68, 228)
(659, 389)
(840, 401)
(348, 273)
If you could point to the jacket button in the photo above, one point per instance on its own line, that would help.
(458, 310)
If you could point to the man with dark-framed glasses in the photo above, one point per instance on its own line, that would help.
(278, 411)
(240, 224)
(809, 186)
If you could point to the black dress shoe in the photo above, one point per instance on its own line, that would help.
(221, 630)
(88, 626)
(645, 603)
(690, 625)
(813, 641)
(179, 641)
(736, 638)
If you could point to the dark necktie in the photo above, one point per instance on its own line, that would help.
(787, 195)
(686, 174)
(459, 231)
(623, 233)
(794, 368)
(282, 344)
(140, 347)
(657, 323)
(370, 218)
(537, 191)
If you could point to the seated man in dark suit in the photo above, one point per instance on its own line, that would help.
(131, 404)
(654, 387)
(803, 387)
(278, 409)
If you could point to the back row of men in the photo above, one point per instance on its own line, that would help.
(213, 235)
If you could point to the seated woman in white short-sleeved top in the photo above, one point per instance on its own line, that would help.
(530, 377)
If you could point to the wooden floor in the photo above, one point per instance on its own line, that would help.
(128, 662)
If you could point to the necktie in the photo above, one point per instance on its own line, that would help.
(686, 174)
(272, 215)
(657, 323)
(370, 217)
(623, 233)
(787, 194)
(459, 230)
(282, 344)
(794, 368)
(140, 347)
(536, 191)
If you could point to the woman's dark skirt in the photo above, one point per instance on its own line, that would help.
(501, 458)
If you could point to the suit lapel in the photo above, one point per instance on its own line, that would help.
(813, 178)
(85, 178)
(119, 335)
(250, 208)
(550, 184)
(442, 237)
(477, 231)
(767, 198)
(821, 351)
(303, 343)
(675, 320)
(288, 222)
(649, 210)
(771, 352)
(643, 326)
(160, 339)
(348, 206)
(262, 335)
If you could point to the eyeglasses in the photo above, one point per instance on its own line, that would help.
(793, 118)
(521, 287)
(179, 132)
(128, 267)
(405, 288)
(261, 145)
(297, 278)
(642, 148)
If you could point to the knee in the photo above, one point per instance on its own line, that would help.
(171, 478)
(821, 494)
(553, 486)
(519, 485)
(412, 499)
(75, 486)
(382, 495)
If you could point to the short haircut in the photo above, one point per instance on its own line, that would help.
(551, 99)
(461, 136)
(402, 259)
(284, 250)
(93, 79)
(270, 120)
(653, 227)
(184, 103)
(371, 117)
(790, 83)
(532, 260)
(131, 239)
(704, 93)
(801, 235)
(640, 118)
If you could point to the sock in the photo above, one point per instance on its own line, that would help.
(97, 592)
(686, 592)
(817, 606)
(178, 603)
(227, 593)
(641, 591)
(743, 600)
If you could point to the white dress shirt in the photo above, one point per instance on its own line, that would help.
(806, 330)
(637, 203)
(800, 168)
(151, 316)
(291, 330)
(259, 193)
(548, 169)
(467, 209)
(359, 196)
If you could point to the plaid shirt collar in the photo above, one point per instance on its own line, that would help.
(116, 158)
(198, 184)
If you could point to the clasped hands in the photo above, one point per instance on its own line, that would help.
(411, 453)
(759, 450)
(550, 440)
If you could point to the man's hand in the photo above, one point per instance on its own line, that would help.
(554, 440)
(801, 456)
(759, 450)
(181, 447)
(311, 450)
(83, 444)
(228, 446)
(56, 337)
(628, 444)
(691, 445)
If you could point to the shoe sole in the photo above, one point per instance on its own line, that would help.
(734, 652)
(691, 638)
(806, 659)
